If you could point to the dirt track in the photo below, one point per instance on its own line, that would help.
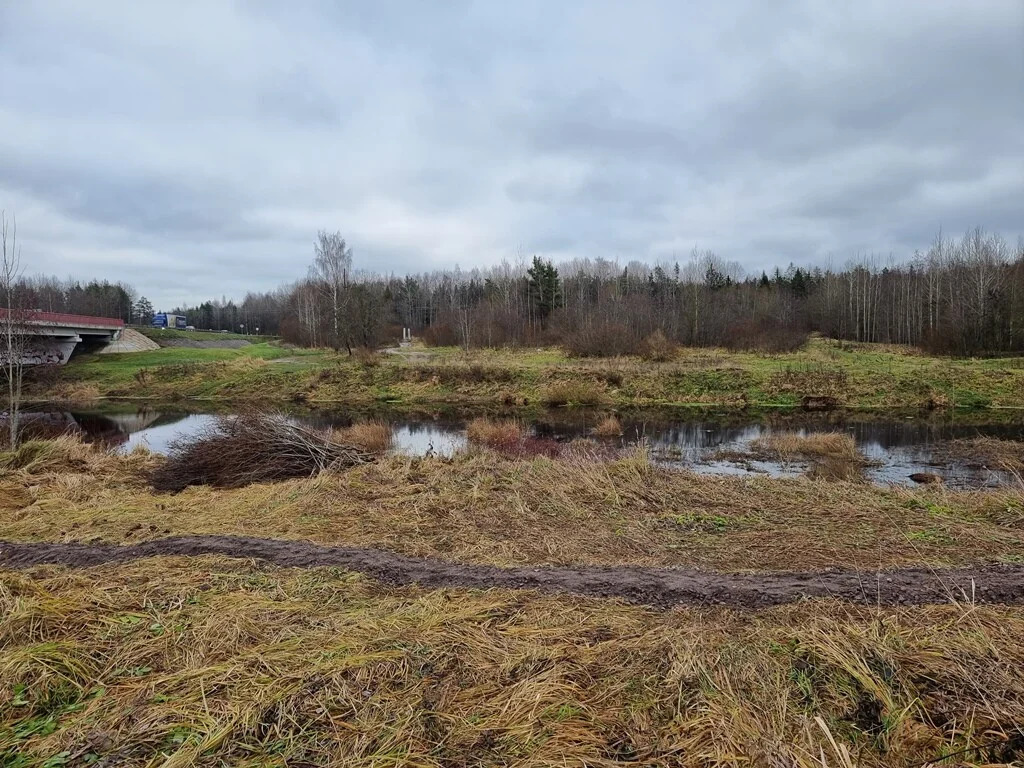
(651, 586)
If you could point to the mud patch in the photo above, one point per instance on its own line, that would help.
(661, 587)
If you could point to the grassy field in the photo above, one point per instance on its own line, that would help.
(164, 334)
(852, 375)
(209, 661)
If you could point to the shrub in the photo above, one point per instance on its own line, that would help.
(440, 335)
(366, 357)
(763, 336)
(658, 348)
(608, 340)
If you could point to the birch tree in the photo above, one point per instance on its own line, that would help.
(12, 324)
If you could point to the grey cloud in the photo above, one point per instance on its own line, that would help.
(196, 150)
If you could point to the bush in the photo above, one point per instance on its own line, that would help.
(608, 340)
(440, 335)
(366, 357)
(763, 336)
(43, 375)
(658, 348)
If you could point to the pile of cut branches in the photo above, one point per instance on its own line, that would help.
(253, 447)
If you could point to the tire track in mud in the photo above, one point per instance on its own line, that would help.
(656, 586)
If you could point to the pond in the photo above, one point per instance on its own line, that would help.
(895, 447)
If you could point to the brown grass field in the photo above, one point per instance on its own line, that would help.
(209, 661)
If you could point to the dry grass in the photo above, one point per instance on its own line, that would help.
(609, 426)
(791, 445)
(501, 434)
(209, 662)
(372, 436)
(486, 508)
(73, 392)
(1006, 455)
(564, 393)
(833, 455)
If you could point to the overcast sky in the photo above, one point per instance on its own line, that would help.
(194, 148)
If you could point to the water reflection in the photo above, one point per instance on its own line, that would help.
(896, 447)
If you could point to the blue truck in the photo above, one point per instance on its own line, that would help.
(166, 320)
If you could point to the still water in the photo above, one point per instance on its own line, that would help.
(896, 447)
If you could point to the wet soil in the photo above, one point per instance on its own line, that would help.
(662, 587)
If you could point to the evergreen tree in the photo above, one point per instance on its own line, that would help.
(799, 283)
(544, 287)
(144, 310)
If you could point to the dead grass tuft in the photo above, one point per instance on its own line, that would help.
(609, 426)
(833, 455)
(503, 434)
(792, 445)
(991, 452)
(73, 392)
(584, 393)
(36, 457)
(372, 436)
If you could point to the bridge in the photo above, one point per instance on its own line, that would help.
(53, 336)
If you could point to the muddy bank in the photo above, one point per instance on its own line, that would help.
(661, 587)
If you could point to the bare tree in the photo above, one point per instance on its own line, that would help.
(333, 267)
(12, 323)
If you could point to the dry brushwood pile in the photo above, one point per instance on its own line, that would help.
(237, 451)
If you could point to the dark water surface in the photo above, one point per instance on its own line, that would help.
(897, 447)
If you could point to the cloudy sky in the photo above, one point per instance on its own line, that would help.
(194, 148)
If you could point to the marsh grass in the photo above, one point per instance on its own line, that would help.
(371, 436)
(204, 661)
(609, 426)
(832, 455)
(991, 452)
(570, 393)
(580, 506)
(792, 445)
(501, 434)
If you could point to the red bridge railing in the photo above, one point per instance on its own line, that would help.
(59, 318)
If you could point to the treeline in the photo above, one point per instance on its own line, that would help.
(105, 299)
(256, 313)
(96, 298)
(963, 296)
